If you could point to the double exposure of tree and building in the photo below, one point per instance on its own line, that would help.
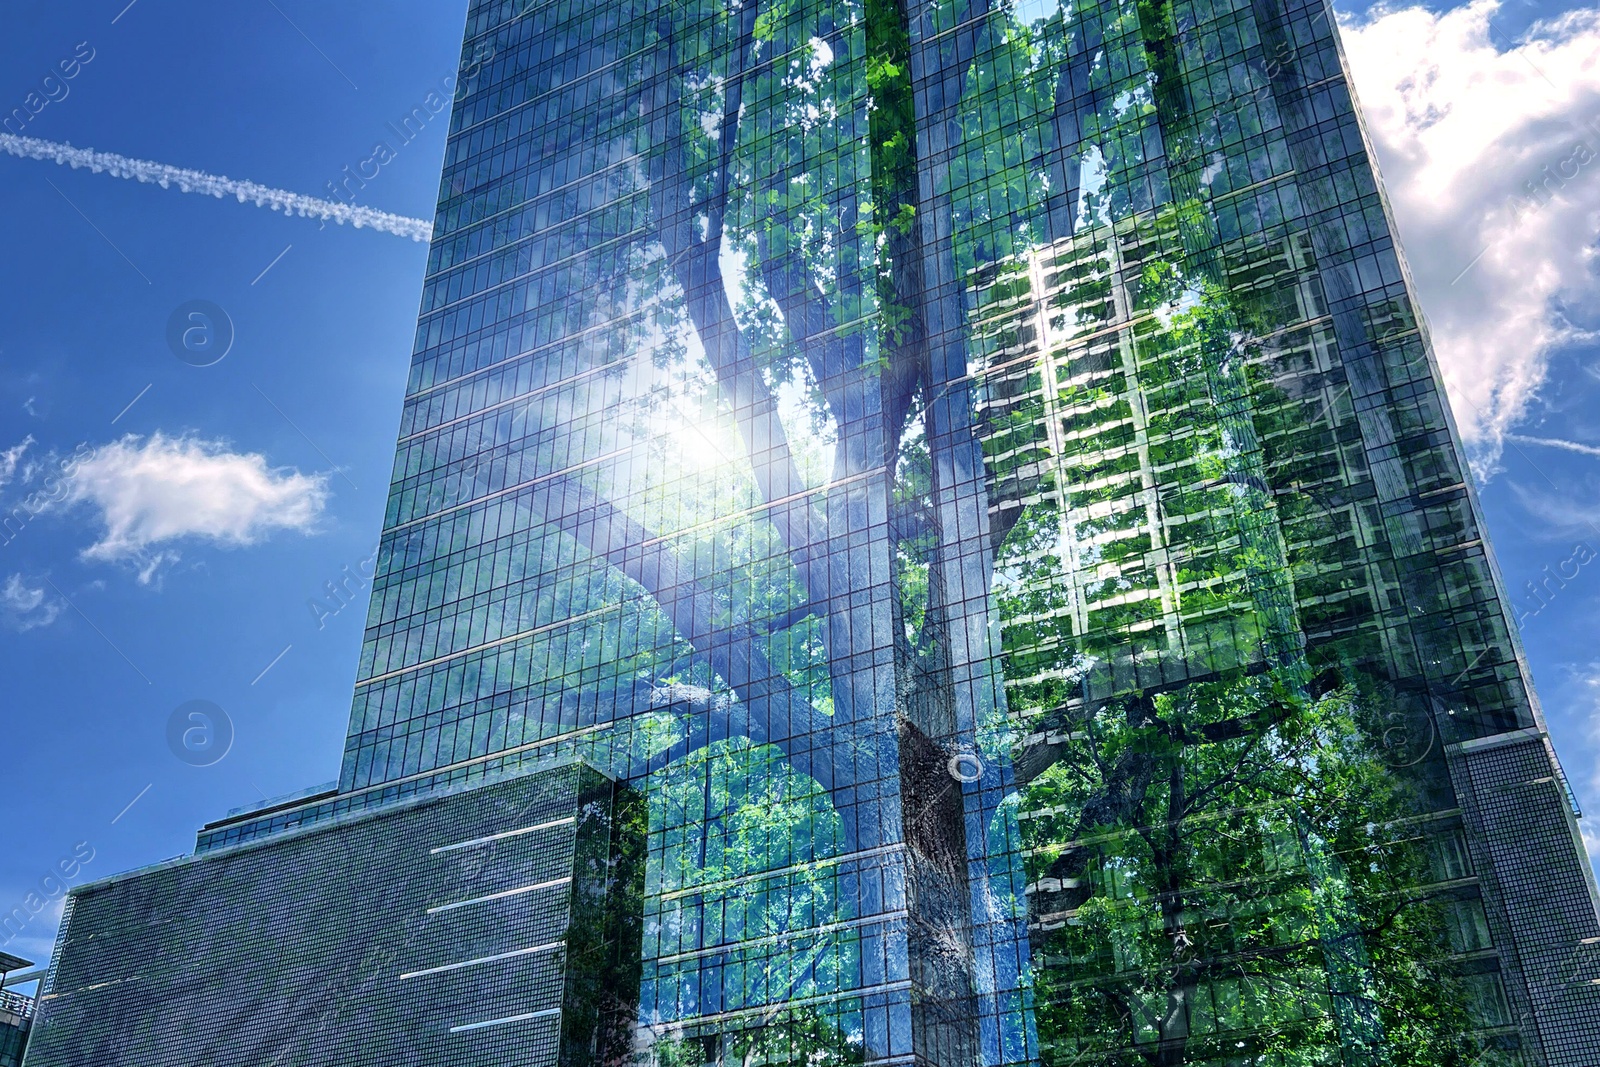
(979, 467)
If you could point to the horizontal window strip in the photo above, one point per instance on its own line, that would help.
(502, 895)
(524, 1017)
(503, 835)
(532, 950)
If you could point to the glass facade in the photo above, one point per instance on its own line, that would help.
(979, 469)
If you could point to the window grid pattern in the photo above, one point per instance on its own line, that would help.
(929, 448)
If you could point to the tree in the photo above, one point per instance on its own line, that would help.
(774, 252)
(784, 241)
(1223, 864)
(1229, 870)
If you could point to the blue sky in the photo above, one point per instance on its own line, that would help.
(119, 604)
(313, 384)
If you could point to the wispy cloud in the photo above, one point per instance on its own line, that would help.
(1490, 151)
(26, 607)
(195, 181)
(1560, 516)
(35, 941)
(10, 458)
(157, 490)
(1554, 442)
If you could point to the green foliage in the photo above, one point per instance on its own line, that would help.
(734, 825)
(892, 132)
(799, 1036)
(1197, 857)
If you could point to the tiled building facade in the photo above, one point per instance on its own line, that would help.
(492, 925)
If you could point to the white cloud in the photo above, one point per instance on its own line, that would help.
(1464, 133)
(160, 489)
(10, 458)
(1561, 515)
(26, 607)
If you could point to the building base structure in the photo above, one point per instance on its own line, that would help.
(495, 925)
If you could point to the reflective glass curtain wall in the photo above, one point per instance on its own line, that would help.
(662, 495)
(979, 468)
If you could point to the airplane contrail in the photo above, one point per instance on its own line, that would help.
(197, 181)
(1554, 442)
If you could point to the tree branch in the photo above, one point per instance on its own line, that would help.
(696, 267)
(769, 711)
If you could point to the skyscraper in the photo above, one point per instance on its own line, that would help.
(980, 470)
